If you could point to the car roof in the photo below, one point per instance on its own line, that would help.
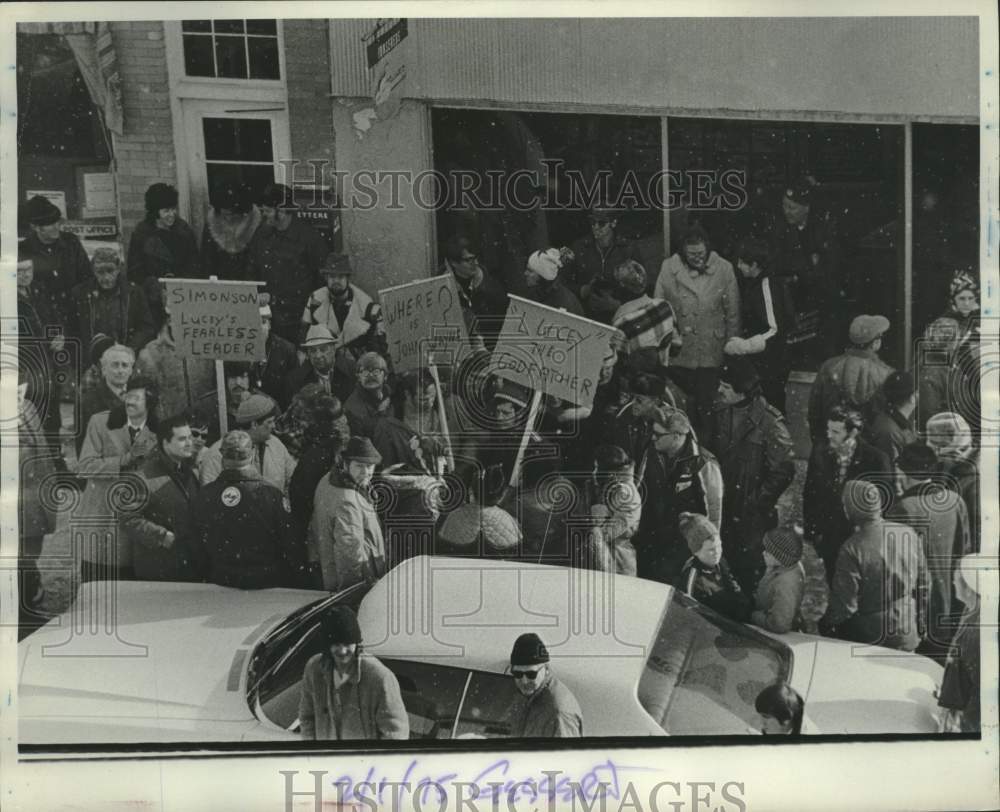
(467, 613)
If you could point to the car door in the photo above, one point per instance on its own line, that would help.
(432, 694)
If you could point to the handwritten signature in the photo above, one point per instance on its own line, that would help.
(493, 782)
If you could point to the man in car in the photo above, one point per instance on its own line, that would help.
(346, 695)
(245, 536)
(545, 708)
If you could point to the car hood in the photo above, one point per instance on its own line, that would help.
(170, 665)
(854, 689)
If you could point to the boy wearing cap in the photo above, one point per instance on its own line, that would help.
(942, 523)
(541, 275)
(244, 540)
(256, 416)
(345, 536)
(162, 245)
(854, 377)
(544, 707)
(778, 597)
(60, 261)
(286, 253)
(350, 314)
(705, 576)
(346, 695)
(879, 590)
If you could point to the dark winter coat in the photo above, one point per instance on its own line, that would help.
(592, 265)
(280, 360)
(961, 475)
(765, 316)
(340, 385)
(483, 306)
(890, 432)
(690, 483)
(314, 464)
(552, 712)
(244, 540)
(58, 268)
(288, 262)
(716, 588)
(854, 377)
(171, 493)
(36, 462)
(155, 253)
(556, 295)
(822, 509)
(121, 313)
(754, 450)
(960, 685)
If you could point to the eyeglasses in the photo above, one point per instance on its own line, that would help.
(659, 434)
(468, 258)
(375, 371)
(525, 674)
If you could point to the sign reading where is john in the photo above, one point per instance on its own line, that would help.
(217, 321)
(424, 323)
(548, 349)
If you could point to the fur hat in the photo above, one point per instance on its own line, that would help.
(696, 530)
(340, 625)
(785, 544)
(545, 263)
(740, 373)
(529, 650)
(160, 196)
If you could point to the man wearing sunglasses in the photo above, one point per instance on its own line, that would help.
(544, 708)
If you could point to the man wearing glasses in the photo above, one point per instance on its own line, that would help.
(483, 298)
(544, 708)
(369, 402)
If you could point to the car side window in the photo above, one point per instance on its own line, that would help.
(487, 701)
(431, 694)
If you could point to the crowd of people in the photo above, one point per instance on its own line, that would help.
(333, 467)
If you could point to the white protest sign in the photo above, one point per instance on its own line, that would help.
(551, 350)
(215, 321)
(423, 319)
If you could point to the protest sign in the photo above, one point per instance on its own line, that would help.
(552, 350)
(215, 321)
(423, 323)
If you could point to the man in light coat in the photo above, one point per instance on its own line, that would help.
(344, 535)
(702, 289)
(345, 694)
(545, 708)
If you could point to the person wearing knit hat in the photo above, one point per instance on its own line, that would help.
(541, 276)
(345, 536)
(706, 576)
(963, 292)
(544, 707)
(925, 501)
(162, 245)
(960, 685)
(346, 694)
(244, 524)
(256, 416)
(778, 597)
(755, 452)
(879, 590)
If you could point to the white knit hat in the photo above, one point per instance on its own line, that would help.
(545, 263)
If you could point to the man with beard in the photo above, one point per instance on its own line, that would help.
(161, 531)
(109, 303)
(350, 314)
(754, 449)
(843, 455)
(237, 378)
(321, 348)
(162, 245)
(545, 709)
(286, 254)
(60, 261)
(346, 695)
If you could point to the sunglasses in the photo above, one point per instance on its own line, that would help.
(199, 432)
(525, 674)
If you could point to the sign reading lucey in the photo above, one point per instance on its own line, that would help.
(548, 349)
(424, 323)
(214, 320)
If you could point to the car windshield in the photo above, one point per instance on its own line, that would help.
(704, 672)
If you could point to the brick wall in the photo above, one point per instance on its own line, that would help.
(145, 153)
(310, 117)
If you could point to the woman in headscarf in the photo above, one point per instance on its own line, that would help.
(963, 307)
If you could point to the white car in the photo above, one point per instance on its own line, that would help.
(222, 665)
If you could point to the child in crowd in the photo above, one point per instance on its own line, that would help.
(779, 593)
(780, 708)
(706, 576)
